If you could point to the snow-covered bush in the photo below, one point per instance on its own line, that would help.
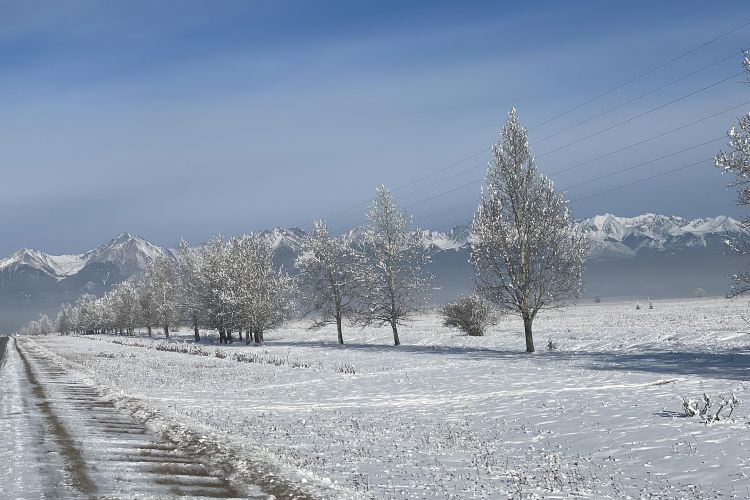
(597, 299)
(182, 348)
(693, 408)
(470, 314)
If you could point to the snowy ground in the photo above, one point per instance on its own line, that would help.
(450, 416)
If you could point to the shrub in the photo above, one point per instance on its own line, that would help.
(551, 346)
(700, 293)
(693, 408)
(597, 299)
(470, 314)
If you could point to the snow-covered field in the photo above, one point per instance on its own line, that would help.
(450, 416)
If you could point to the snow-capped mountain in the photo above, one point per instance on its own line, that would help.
(126, 254)
(54, 266)
(651, 255)
(618, 237)
(32, 281)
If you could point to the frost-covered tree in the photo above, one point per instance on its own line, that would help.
(125, 307)
(147, 305)
(395, 282)
(191, 285)
(45, 324)
(330, 271)
(66, 321)
(736, 161)
(526, 253)
(162, 279)
(261, 296)
(88, 313)
(214, 294)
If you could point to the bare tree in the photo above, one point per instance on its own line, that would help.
(329, 276)
(525, 250)
(737, 161)
(396, 283)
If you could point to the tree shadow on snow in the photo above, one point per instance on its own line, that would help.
(732, 364)
(460, 351)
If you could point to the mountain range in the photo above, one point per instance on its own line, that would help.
(649, 255)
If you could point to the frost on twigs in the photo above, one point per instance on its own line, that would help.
(703, 409)
(331, 272)
(736, 161)
(470, 314)
(526, 252)
(395, 281)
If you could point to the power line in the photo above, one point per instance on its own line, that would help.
(606, 129)
(476, 181)
(411, 183)
(681, 127)
(633, 99)
(632, 167)
(642, 75)
(599, 193)
(642, 180)
(642, 164)
(640, 115)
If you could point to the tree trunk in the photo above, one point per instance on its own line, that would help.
(149, 330)
(166, 331)
(222, 336)
(338, 328)
(396, 341)
(239, 333)
(529, 337)
(230, 340)
(195, 328)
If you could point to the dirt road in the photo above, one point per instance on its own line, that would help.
(61, 438)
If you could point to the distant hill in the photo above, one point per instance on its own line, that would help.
(650, 255)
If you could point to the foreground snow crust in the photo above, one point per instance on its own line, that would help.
(450, 416)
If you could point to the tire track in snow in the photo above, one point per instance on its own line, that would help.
(105, 451)
(72, 457)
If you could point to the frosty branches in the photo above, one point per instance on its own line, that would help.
(526, 254)
(395, 280)
(331, 271)
(261, 295)
(736, 161)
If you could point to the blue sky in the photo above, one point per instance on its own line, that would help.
(186, 119)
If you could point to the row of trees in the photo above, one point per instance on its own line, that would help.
(232, 285)
(524, 248)
(40, 326)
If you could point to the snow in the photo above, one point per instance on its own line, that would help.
(441, 241)
(130, 253)
(450, 416)
(56, 266)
